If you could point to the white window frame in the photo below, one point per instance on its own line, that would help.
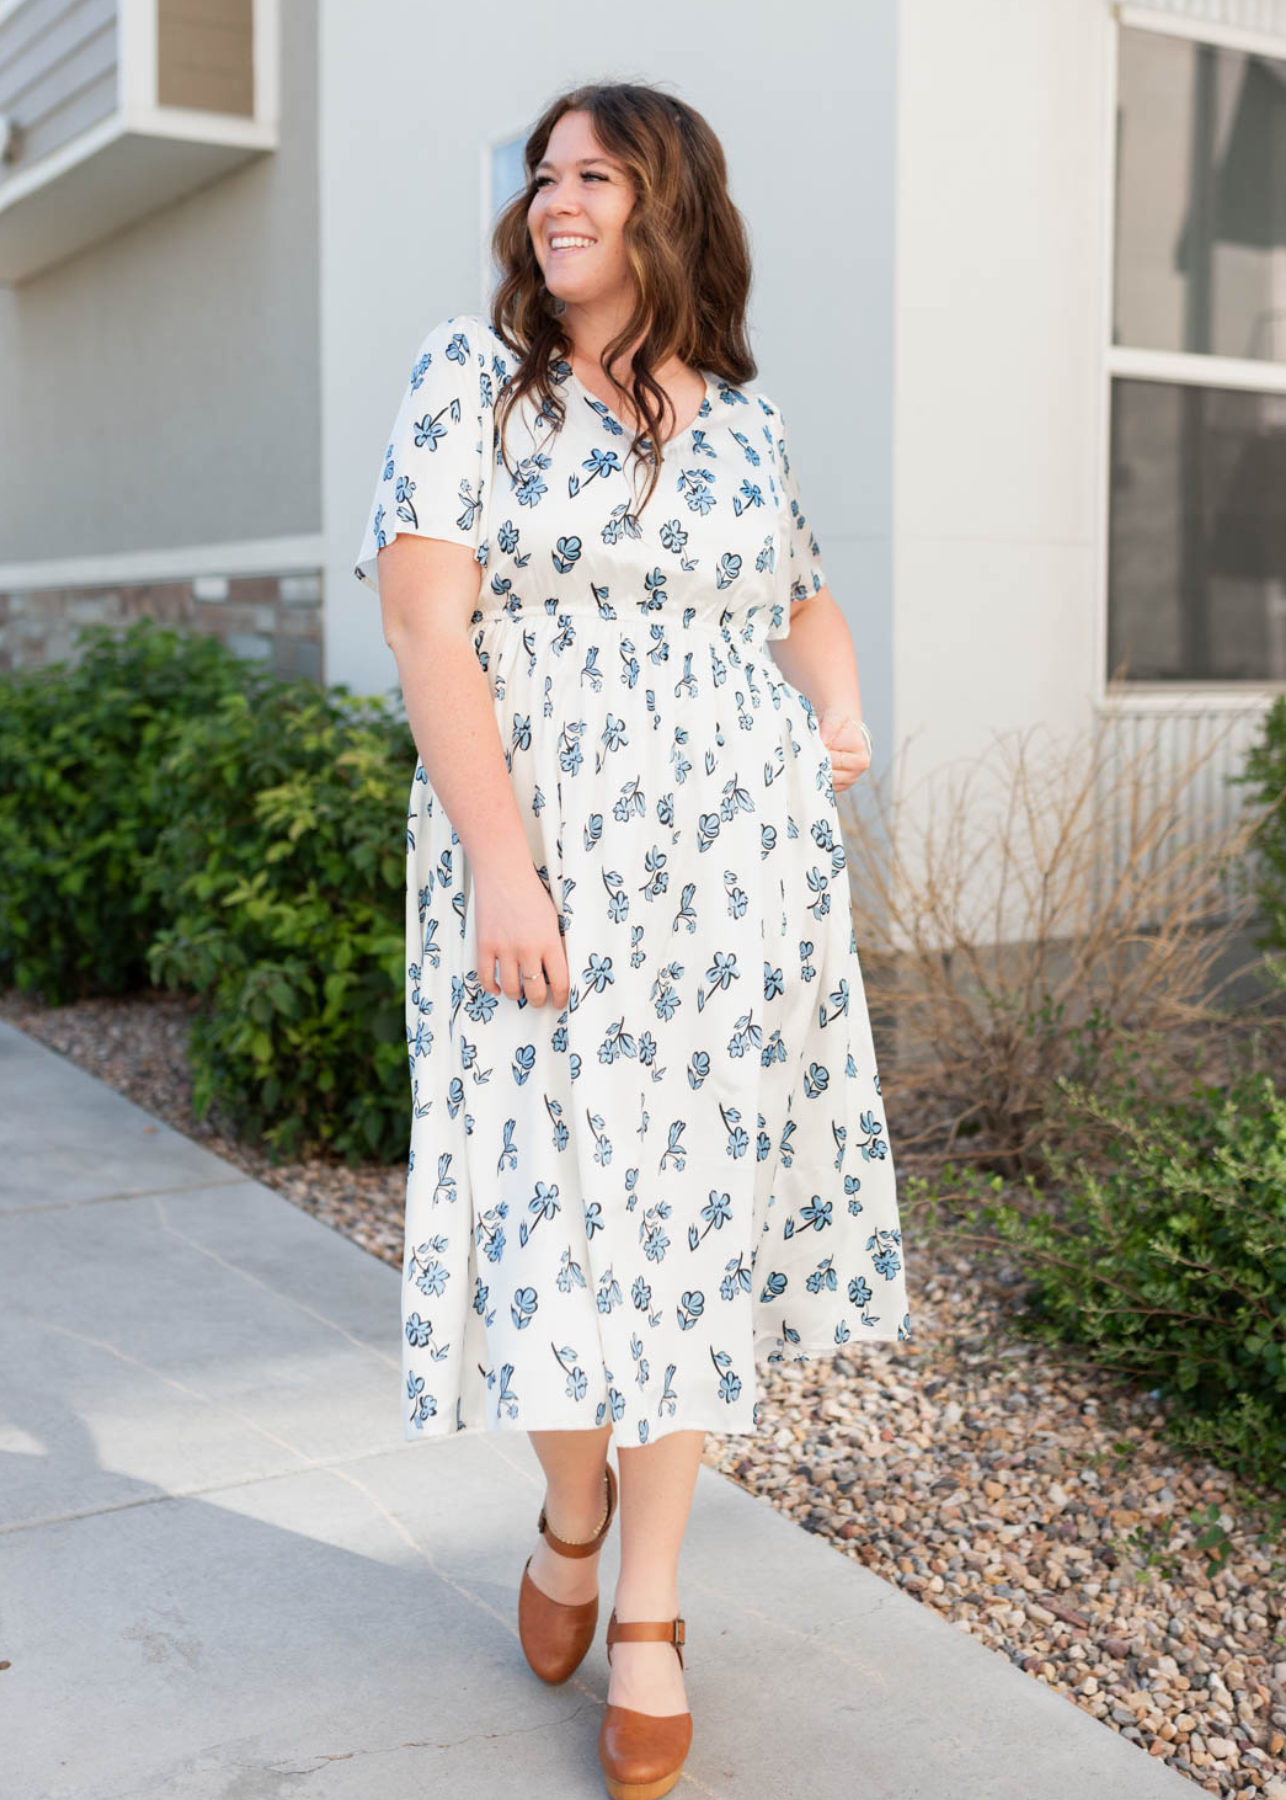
(486, 182)
(1169, 366)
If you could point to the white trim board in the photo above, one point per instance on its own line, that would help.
(1172, 698)
(1197, 369)
(1098, 679)
(258, 556)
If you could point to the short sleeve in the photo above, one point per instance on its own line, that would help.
(800, 574)
(433, 476)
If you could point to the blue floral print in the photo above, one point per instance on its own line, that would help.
(614, 1212)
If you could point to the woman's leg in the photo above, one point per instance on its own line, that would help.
(656, 1494)
(575, 1465)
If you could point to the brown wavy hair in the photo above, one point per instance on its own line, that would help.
(685, 240)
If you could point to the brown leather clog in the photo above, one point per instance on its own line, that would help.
(643, 1753)
(555, 1635)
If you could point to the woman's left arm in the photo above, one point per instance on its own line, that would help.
(820, 660)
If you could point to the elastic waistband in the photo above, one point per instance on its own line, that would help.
(639, 624)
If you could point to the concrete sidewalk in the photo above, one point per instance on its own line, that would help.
(224, 1573)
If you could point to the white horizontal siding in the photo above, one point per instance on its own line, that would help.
(58, 72)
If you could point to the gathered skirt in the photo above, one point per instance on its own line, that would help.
(616, 1211)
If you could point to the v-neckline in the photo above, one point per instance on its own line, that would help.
(676, 436)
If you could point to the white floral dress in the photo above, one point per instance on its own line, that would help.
(614, 1210)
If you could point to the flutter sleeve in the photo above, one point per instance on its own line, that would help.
(799, 573)
(434, 474)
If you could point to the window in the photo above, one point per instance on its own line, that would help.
(1196, 551)
(505, 177)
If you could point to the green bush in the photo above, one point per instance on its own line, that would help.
(80, 804)
(1264, 772)
(281, 875)
(172, 814)
(1165, 1258)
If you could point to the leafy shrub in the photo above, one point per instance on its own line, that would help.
(1264, 771)
(81, 805)
(1165, 1256)
(281, 877)
(173, 814)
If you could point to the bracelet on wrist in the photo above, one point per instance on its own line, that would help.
(865, 731)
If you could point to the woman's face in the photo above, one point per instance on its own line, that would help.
(581, 193)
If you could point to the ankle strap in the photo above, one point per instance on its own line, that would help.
(566, 1548)
(664, 1631)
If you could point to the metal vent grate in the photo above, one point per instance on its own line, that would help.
(1158, 745)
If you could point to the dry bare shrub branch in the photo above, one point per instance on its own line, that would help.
(1023, 916)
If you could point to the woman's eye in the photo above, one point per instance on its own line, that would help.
(586, 175)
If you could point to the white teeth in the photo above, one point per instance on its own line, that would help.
(562, 243)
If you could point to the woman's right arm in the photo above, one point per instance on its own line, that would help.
(428, 593)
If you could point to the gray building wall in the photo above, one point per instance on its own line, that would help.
(160, 389)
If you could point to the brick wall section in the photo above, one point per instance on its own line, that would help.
(276, 619)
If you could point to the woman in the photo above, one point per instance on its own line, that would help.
(637, 1162)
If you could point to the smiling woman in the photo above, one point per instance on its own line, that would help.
(648, 1147)
(593, 211)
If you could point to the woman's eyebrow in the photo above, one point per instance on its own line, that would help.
(580, 162)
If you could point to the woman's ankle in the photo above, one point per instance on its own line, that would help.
(646, 1600)
(577, 1514)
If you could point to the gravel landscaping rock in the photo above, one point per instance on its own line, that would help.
(1034, 1505)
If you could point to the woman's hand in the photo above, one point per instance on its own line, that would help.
(849, 755)
(517, 927)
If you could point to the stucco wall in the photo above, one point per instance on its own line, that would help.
(999, 372)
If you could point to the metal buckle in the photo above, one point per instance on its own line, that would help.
(678, 1633)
